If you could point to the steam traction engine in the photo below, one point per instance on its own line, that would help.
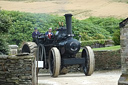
(60, 51)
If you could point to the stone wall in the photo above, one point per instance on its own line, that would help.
(124, 52)
(107, 60)
(17, 70)
(124, 49)
(104, 60)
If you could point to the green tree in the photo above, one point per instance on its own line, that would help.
(5, 24)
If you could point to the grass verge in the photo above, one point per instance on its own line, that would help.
(107, 48)
(112, 48)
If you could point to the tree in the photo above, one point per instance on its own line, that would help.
(5, 23)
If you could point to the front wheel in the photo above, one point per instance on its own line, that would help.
(54, 62)
(89, 66)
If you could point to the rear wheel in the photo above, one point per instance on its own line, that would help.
(54, 62)
(41, 53)
(89, 66)
(29, 47)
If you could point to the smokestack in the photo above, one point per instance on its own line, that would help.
(68, 18)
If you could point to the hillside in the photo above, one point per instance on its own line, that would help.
(81, 9)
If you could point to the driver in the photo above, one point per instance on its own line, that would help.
(35, 34)
(49, 33)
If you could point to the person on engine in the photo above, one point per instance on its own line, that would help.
(49, 33)
(35, 34)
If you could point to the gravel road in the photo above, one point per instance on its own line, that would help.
(98, 78)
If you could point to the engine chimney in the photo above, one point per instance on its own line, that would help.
(68, 18)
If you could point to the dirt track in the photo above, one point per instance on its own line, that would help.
(98, 78)
(81, 9)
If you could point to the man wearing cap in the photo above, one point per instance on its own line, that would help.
(35, 34)
(49, 33)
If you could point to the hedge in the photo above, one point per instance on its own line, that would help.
(92, 42)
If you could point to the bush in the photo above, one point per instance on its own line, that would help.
(92, 42)
(116, 37)
(99, 36)
(3, 46)
(108, 24)
(5, 23)
(84, 36)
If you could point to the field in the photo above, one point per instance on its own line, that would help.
(81, 9)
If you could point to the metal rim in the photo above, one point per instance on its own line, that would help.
(54, 62)
(89, 66)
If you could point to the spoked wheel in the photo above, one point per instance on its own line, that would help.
(41, 53)
(89, 66)
(40, 56)
(54, 62)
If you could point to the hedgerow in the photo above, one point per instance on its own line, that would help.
(93, 28)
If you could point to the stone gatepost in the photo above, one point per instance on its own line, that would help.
(124, 52)
(13, 49)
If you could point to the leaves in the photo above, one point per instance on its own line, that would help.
(116, 37)
(5, 23)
